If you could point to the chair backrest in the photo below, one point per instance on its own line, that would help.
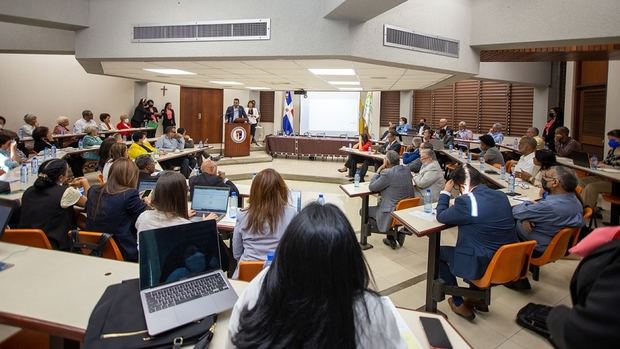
(497, 166)
(509, 263)
(404, 204)
(558, 246)
(249, 269)
(509, 165)
(27, 237)
(110, 249)
(578, 189)
(100, 179)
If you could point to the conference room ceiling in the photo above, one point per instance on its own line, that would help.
(277, 75)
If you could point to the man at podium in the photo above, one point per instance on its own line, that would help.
(235, 112)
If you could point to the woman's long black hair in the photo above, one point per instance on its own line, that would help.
(309, 295)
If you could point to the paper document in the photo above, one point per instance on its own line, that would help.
(405, 331)
(429, 217)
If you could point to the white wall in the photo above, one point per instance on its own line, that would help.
(18, 38)
(529, 73)
(612, 117)
(53, 13)
(53, 85)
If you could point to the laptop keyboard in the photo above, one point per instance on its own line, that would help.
(185, 292)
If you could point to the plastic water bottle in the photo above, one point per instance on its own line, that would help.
(46, 153)
(515, 144)
(356, 179)
(53, 152)
(200, 145)
(481, 158)
(428, 201)
(321, 199)
(23, 174)
(460, 153)
(451, 147)
(511, 184)
(81, 144)
(34, 166)
(502, 172)
(350, 146)
(593, 162)
(468, 157)
(232, 203)
(269, 259)
(195, 172)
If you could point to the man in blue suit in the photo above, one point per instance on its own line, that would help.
(235, 111)
(485, 223)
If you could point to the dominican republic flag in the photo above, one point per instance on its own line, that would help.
(289, 115)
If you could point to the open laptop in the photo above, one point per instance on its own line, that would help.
(181, 279)
(580, 158)
(146, 184)
(207, 200)
(294, 199)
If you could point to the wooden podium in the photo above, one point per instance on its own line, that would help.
(237, 139)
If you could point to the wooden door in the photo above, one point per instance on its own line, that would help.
(201, 113)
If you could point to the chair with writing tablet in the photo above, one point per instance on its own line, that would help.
(556, 249)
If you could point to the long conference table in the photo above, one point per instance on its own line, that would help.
(300, 146)
(54, 292)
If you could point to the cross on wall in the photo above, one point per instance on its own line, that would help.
(164, 89)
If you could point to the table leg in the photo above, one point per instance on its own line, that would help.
(432, 271)
(364, 227)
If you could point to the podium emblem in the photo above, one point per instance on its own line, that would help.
(238, 134)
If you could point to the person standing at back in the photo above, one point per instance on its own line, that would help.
(260, 226)
(235, 111)
(140, 114)
(167, 115)
(253, 117)
(555, 119)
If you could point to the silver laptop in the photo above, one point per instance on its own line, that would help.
(180, 276)
(294, 199)
(207, 200)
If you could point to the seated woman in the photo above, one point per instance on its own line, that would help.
(9, 158)
(593, 185)
(114, 207)
(104, 152)
(91, 139)
(545, 159)
(48, 204)
(139, 146)
(491, 154)
(351, 165)
(62, 128)
(42, 137)
(261, 225)
(105, 124)
(117, 151)
(318, 271)
(123, 125)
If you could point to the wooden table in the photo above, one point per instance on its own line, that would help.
(306, 146)
(365, 154)
(362, 192)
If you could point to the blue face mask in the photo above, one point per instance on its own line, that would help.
(613, 143)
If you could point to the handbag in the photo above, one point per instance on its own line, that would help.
(152, 124)
(117, 322)
(534, 317)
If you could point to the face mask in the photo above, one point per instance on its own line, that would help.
(551, 115)
(613, 144)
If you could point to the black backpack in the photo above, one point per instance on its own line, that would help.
(534, 317)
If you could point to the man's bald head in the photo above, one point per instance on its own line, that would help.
(209, 166)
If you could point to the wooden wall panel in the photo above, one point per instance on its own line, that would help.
(266, 105)
(422, 106)
(467, 103)
(443, 105)
(521, 109)
(493, 104)
(390, 107)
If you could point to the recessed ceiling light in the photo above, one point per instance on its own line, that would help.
(169, 71)
(332, 71)
(378, 77)
(226, 82)
(350, 88)
(350, 83)
(258, 88)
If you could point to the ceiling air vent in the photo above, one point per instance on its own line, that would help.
(409, 40)
(231, 30)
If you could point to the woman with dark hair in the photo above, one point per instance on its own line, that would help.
(167, 115)
(140, 146)
(555, 119)
(104, 152)
(9, 158)
(594, 185)
(114, 207)
(140, 114)
(42, 137)
(350, 165)
(253, 117)
(261, 225)
(544, 158)
(105, 124)
(48, 204)
(117, 151)
(316, 293)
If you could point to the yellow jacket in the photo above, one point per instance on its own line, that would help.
(136, 149)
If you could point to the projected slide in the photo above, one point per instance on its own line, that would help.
(332, 113)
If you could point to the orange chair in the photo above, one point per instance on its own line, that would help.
(509, 165)
(27, 237)
(509, 263)
(578, 189)
(94, 244)
(249, 269)
(615, 203)
(402, 205)
(557, 248)
(100, 179)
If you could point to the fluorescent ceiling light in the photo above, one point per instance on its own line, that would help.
(350, 88)
(170, 71)
(258, 88)
(226, 82)
(332, 71)
(350, 83)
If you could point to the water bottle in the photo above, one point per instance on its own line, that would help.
(502, 172)
(481, 158)
(34, 166)
(195, 172)
(321, 199)
(350, 146)
(269, 259)
(53, 152)
(233, 205)
(593, 162)
(356, 179)
(451, 147)
(516, 143)
(200, 145)
(468, 157)
(511, 184)
(81, 144)
(460, 153)
(62, 131)
(23, 174)
(46, 153)
(428, 201)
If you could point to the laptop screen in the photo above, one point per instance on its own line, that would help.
(178, 252)
(210, 199)
(145, 184)
(294, 199)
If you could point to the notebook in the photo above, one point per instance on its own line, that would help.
(206, 200)
(180, 275)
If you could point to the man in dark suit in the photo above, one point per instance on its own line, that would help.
(394, 183)
(235, 111)
(485, 223)
(210, 177)
(390, 144)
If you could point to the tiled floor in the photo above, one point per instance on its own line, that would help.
(496, 329)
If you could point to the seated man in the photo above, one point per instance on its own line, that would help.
(403, 127)
(391, 144)
(146, 166)
(525, 167)
(430, 176)
(490, 153)
(412, 152)
(393, 182)
(534, 133)
(446, 138)
(189, 144)
(463, 133)
(171, 141)
(443, 125)
(485, 223)
(210, 177)
(496, 133)
(422, 126)
(416, 165)
(565, 145)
